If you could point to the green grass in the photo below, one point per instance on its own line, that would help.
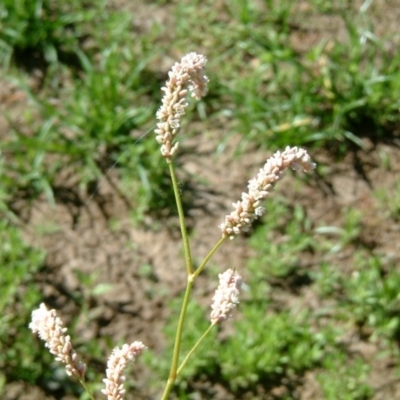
(46, 31)
(262, 86)
(97, 92)
(18, 355)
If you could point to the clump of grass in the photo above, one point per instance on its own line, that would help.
(339, 90)
(43, 31)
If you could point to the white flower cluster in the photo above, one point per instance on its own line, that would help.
(249, 208)
(50, 329)
(114, 383)
(226, 297)
(188, 75)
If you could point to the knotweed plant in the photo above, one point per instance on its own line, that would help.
(185, 77)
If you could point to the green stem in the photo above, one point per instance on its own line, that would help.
(194, 349)
(209, 255)
(188, 257)
(189, 268)
(88, 392)
(178, 338)
(173, 373)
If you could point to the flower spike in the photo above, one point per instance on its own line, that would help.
(50, 328)
(188, 75)
(116, 364)
(226, 297)
(249, 208)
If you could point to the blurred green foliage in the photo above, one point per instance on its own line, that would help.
(18, 296)
(45, 30)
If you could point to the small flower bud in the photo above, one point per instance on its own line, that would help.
(226, 297)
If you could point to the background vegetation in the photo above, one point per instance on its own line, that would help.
(92, 72)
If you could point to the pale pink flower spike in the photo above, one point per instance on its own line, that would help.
(226, 297)
(50, 329)
(116, 364)
(184, 76)
(250, 207)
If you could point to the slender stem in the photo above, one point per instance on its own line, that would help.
(189, 268)
(188, 257)
(207, 258)
(173, 373)
(178, 338)
(194, 349)
(88, 392)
